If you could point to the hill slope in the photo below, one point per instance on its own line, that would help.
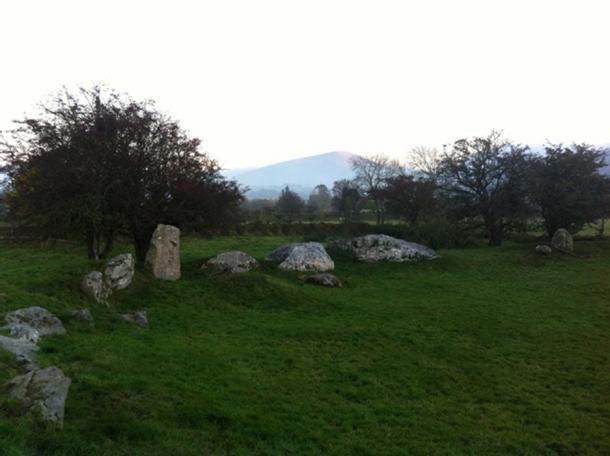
(301, 174)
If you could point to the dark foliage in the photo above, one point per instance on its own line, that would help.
(407, 197)
(485, 184)
(289, 205)
(347, 200)
(95, 163)
(568, 188)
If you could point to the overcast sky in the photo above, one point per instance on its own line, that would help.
(264, 81)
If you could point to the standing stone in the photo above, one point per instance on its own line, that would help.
(119, 271)
(163, 256)
(562, 241)
(93, 285)
(43, 392)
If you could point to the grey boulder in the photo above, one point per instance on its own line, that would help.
(43, 392)
(82, 315)
(563, 241)
(324, 279)
(308, 256)
(119, 271)
(37, 318)
(374, 248)
(93, 285)
(232, 262)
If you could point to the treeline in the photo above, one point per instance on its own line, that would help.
(94, 164)
(479, 185)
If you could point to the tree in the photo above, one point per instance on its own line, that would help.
(568, 188)
(347, 200)
(95, 162)
(484, 179)
(289, 205)
(407, 197)
(425, 161)
(319, 200)
(371, 175)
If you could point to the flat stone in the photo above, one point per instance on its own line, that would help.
(38, 318)
(324, 279)
(374, 248)
(24, 351)
(233, 262)
(43, 392)
(543, 250)
(139, 318)
(83, 315)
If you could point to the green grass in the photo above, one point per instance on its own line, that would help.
(484, 351)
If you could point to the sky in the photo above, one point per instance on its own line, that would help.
(270, 80)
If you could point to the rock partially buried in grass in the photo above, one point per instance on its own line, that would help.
(24, 351)
(324, 279)
(163, 256)
(82, 315)
(563, 241)
(43, 392)
(139, 318)
(37, 318)
(119, 271)
(309, 256)
(232, 262)
(543, 250)
(93, 285)
(374, 248)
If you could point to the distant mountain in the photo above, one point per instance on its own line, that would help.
(301, 174)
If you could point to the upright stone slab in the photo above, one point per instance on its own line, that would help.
(562, 241)
(163, 256)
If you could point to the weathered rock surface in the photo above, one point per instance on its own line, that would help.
(23, 349)
(93, 285)
(82, 315)
(37, 318)
(324, 279)
(309, 256)
(232, 262)
(43, 392)
(163, 255)
(119, 271)
(139, 318)
(543, 250)
(563, 241)
(374, 248)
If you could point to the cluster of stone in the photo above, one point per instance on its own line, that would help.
(41, 391)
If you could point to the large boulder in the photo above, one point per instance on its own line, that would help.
(119, 272)
(324, 279)
(309, 256)
(93, 285)
(373, 248)
(562, 240)
(163, 256)
(43, 392)
(38, 318)
(232, 262)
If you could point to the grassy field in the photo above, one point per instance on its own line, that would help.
(484, 351)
